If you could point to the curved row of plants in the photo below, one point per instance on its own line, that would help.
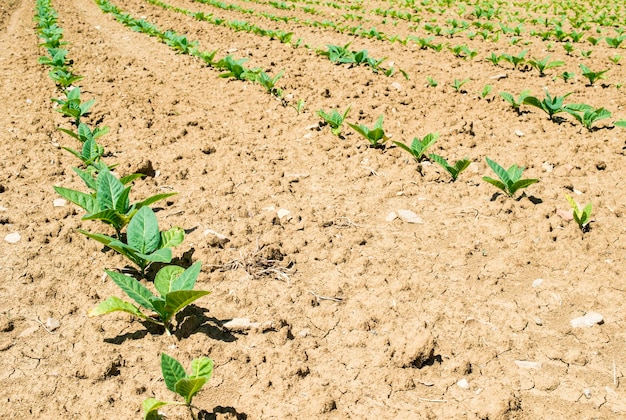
(108, 200)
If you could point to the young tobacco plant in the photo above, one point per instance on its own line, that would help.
(545, 64)
(109, 200)
(454, 170)
(334, 119)
(63, 77)
(592, 76)
(376, 135)
(515, 103)
(419, 146)
(84, 133)
(550, 105)
(516, 60)
(269, 83)
(145, 243)
(510, 179)
(180, 382)
(458, 84)
(582, 216)
(72, 106)
(174, 285)
(586, 114)
(234, 68)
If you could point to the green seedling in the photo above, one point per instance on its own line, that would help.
(109, 201)
(180, 43)
(586, 54)
(549, 105)
(615, 42)
(234, 68)
(338, 54)
(592, 76)
(90, 153)
(146, 244)
(486, 91)
(334, 119)
(567, 76)
(174, 285)
(516, 60)
(57, 59)
(494, 59)
(376, 135)
(419, 146)
(515, 103)
(299, 106)
(457, 84)
(431, 82)
(64, 78)
(84, 133)
(454, 170)
(207, 57)
(181, 383)
(582, 216)
(620, 123)
(569, 48)
(72, 106)
(510, 180)
(615, 59)
(545, 64)
(586, 114)
(269, 83)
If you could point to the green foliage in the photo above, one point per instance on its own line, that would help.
(299, 106)
(586, 114)
(145, 243)
(516, 60)
(419, 146)
(109, 201)
(550, 105)
(431, 82)
(72, 105)
(180, 382)
(615, 42)
(457, 84)
(544, 64)
(269, 83)
(454, 170)
(582, 216)
(486, 91)
(235, 68)
(334, 119)
(510, 180)
(63, 77)
(592, 76)
(174, 285)
(376, 135)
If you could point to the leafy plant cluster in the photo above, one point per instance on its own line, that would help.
(143, 243)
(585, 114)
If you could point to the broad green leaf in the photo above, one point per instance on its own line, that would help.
(522, 183)
(500, 171)
(188, 388)
(515, 173)
(165, 277)
(109, 190)
(143, 231)
(86, 201)
(172, 237)
(130, 178)
(87, 178)
(114, 304)
(620, 123)
(112, 217)
(163, 255)
(187, 279)
(153, 199)
(172, 370)
(151, 408)
(202, 367)
(177, 300)
(135, 290)
(496, 183)
(123, 202)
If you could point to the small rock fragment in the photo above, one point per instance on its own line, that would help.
(587, 393)
(59, 202)
(391, 217)
(463, 384)
(588, 320)
(567, 215)
(547, 166)
(215, 239)
(409, 216)
(52, 324)
(519, 133)
(396, 86)
(29, 331)
(537, 282)
(282, 213)
(244, 324)
(526, 364)
(538, 321)
(13, 237)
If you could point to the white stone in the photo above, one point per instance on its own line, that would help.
(463, 384)
(391, 217)
(282, 213)
(396, 86)
(3, 208)
(547, 166)
(59, 202)
(519, 133)
(526, 364)
(588, 320)
(537, 282)
(13, 237)
(52, 324)
(409, 216)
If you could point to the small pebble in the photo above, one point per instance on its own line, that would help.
(588, 320)
(13, 237)
(463, 384)
(587, 393)
(52, 324)
(59, 202)
(391, 217)
(538, 321)
(409, 216)
(537, 282)
(396, 86)
(519, 133)
(548, 167)
(282, 213)
(525, 364)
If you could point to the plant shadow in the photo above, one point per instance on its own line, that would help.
(193, 320)
(222, 412)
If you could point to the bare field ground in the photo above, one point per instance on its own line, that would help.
(361, 315)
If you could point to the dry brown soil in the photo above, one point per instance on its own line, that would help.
(360, 316)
